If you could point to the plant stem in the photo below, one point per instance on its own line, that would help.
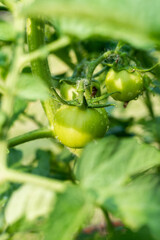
(30, 136)
(104, 96)
(80, 90)
(40, 67)
(100, 72)
(92, 65)
(61, 99)
(7, 100)
(149, 104)
(149, 69)
(12, 77)
(35, 38)
(110, 228)
(100, 105)
(42, 52)
(119, 46)
(3, 153)
(18, 177)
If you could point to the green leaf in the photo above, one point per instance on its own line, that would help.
(72, 208)
(14, 157)
(30, 202)
(137, 204)
(127, 234)
(20, 106)
(32, 88)
(43, 159)
(113, 162)
(3, 59)
(108, 167)
(7, 32)
(136, 22)
(4, 236)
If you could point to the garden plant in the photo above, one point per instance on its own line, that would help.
(79, 120)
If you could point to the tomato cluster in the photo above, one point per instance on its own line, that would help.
(75, 126)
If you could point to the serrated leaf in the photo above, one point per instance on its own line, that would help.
(72, 208)
(136, 22)
(107, 167)
(29, 202)
(32, 88)
(112, 161)
(137, 204)
(7, 32)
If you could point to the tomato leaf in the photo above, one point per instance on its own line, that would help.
(108, 167)
(7, 32)
(14, 157)
(32, 88)
(136, 22)
(43, 163)
(137, 204)
(21, 204)
(20, 106)
(71, 209)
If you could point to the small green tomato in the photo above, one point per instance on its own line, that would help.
(75, 127)
(129, 85)
(69, 92)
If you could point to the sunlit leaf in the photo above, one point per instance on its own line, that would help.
(32, 88)
(108, 168)
(29, 202)
(6, 31)
(72, 208)
(135, 21)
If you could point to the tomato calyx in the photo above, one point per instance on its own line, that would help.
(83, 94)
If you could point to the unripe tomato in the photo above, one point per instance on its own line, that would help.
(130, 85)
(69, 92)
(75, 127)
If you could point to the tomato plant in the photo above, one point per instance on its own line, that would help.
(75, 126)
(67, 149)
(128, 85)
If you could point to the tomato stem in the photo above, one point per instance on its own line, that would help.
(118, 47)
(104, 96)
(110, 227)
(93, 64)
(100, 72)
(18, 177)
(100, 105)
(30, 136)
(61, 100)
(43, 51)
(149, 69)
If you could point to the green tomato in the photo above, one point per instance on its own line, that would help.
(129, 85)
(69, 92)
(75, 127)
